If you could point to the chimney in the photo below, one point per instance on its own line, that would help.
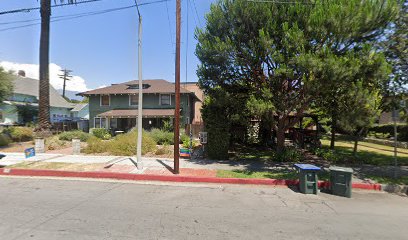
(21, 73)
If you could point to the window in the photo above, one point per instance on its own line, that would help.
(187, 120)
(105, 100)
(165, 99)
(100, 123)
(97, 123)
(133, 100)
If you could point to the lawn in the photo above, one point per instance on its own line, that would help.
(369, 153)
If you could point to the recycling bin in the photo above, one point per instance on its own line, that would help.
(341, 181)
(308, 180)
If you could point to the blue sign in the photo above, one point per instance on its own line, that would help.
(29, 152)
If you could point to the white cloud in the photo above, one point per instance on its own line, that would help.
(76, 83)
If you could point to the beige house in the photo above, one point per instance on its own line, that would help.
(193, 87)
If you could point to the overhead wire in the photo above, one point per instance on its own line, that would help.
(79, 15)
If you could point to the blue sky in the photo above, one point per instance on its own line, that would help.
(102, 49)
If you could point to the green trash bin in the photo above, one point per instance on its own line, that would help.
(308, 180)
(341, 181)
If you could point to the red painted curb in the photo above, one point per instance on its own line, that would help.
(176, 178)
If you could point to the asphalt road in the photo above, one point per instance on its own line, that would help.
(74, 209)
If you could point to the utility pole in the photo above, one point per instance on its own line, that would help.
(66, 77)
(177, 86)
(140, 93)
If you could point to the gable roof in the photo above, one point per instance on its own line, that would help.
(154, 86)
(79, 106)
(30, 86)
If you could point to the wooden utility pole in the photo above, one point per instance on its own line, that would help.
(66, 77)
(177, 86)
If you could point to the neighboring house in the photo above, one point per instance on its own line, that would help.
(115, 107)
(193, 87)
(387, 118)
(25, 94)
(80, 111)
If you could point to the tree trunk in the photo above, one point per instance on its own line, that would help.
(44, 89)
(333, 131)
(280, 136)
(355, 146)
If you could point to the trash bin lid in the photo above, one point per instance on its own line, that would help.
(341, 169)
(306, 166)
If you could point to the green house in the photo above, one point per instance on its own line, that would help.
(115, 107)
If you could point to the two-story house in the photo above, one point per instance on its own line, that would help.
(115, 107)
(25, 93)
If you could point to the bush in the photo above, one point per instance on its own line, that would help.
(186, 143)
(96, 145)
(329, 155)
(288, 155)
(387, 130)
(54, 143)
(125, 144)
(163, 150)
(68, 136)
(161, 137)
(101, 133)
(4, 140)
(20, 134)
(121, 145)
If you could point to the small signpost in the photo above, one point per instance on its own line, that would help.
(29, 152)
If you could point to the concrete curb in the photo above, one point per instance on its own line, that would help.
(394, 188)
(176, 178)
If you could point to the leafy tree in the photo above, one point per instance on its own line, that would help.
(359, 113)
(6, 85)
(396, 52)
(249, 48)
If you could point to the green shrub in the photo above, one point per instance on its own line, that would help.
(20, 134)
(55, 142)
(288, 155)
(161, 137)
(96, 145)
(329, 155)
(68, 136)
(4, 140)
(101, 133)
(186, 143)
(125, 144)
(387, 130)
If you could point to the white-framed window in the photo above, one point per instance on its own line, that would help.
(165, 99)
(100, 122)
(105, 100)
(133, 100)
(187, 120)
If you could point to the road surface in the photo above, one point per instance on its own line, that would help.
(33, 208)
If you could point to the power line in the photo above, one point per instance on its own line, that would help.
(198, 18)
(55, 5)
(171, 32)
(80, 15)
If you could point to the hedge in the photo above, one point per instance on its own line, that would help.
(389, 129)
